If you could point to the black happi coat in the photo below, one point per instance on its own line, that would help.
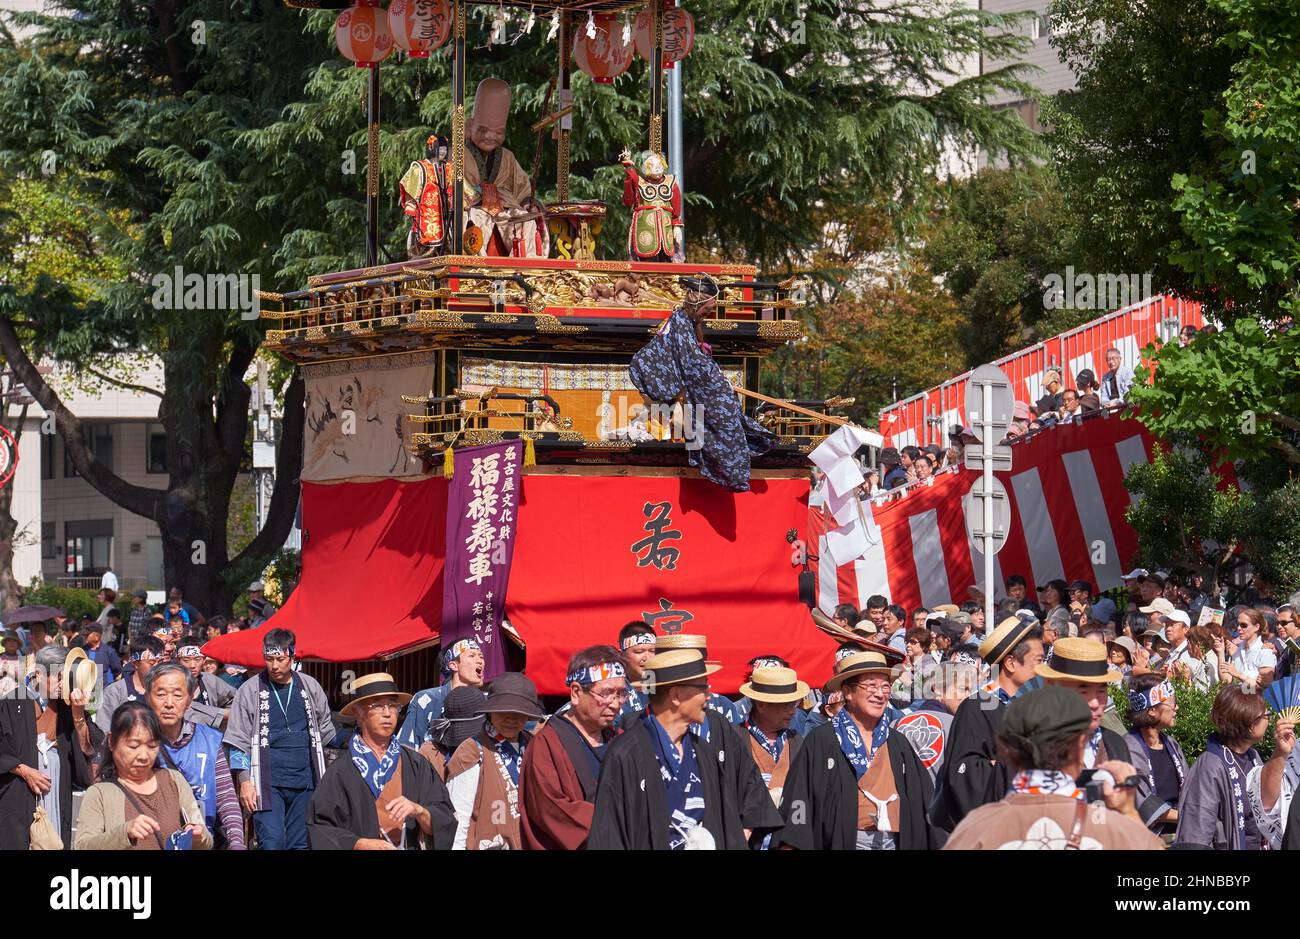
(18, 745)
(970, 778)
(631, 810)
(819, 803)
(343, 808)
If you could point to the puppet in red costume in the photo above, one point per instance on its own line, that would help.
(426, 197)
(656, 201)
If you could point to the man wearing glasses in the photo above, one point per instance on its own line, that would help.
(386, 797)
(557, 787)
(853, 784)
(279, 723)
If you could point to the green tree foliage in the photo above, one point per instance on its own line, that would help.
(1241, 216)
(1145, 75)
(1235, 392)
(1184, 519)
(993, 238)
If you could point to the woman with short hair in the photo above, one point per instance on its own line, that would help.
(137, 806)
(1213, 810)
(1161, 767)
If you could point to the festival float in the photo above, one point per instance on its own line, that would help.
(506, 436)
(478, 458)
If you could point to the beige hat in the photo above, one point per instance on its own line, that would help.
(865, 626)
(861, 663)
(1008, 634)
(683, 641)
(1079, 660)
(79, 672)
(374, 685)
(675, 667)
(775, 686)
(1159, 605)
(948, 608)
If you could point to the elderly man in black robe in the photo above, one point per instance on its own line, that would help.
(46, 745)
(384, 796)
(853, 784)
(677, 364)
(664, 786)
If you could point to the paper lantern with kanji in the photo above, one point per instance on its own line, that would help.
(604, 56)
(362, 34)
(679, 34)
(419, 26)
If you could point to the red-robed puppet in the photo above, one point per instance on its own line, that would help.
(426, 198)
(656, 201)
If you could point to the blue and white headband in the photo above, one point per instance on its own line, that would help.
(639, 639)
(964, 658)
(764, 662)
(1152, 697)
(272, 651)
(841, 654)
(589, 676)
(461, 647)
(196, 652)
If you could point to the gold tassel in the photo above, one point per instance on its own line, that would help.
(448, 464)
(530, 452)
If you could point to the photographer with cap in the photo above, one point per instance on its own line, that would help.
(1043, 737)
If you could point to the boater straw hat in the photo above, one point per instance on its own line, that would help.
(862, 663)
(1075, 659)
(675, 667)
(79, 672)
(775, 686)
(682, 641)
(1009, 634)
(860, 639)
(374, 685)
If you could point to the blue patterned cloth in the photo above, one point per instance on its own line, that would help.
(672, 363)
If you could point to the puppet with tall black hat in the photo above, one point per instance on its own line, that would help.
(664, 787)
(971, 775)
(677, 364)
(853, 784)
(385, 796)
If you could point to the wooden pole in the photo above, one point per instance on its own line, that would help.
(458, 131)
(842, 422)
(372, 167)
(657, 76)
(565, 107)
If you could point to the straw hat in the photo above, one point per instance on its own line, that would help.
(675, 667)
(775, 686)
(79, 672)
(1008, 634)
(860, 639)
(946, 608)
(374, 685)
(683, 641)
(862, 663)
(1076, 659)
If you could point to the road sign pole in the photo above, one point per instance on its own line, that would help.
(986, 436)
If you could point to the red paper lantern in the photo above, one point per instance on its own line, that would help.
(419, 26)
(361, 33)
(679, 34)
(604, 56)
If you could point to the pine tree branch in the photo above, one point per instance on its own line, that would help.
(138, 499)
